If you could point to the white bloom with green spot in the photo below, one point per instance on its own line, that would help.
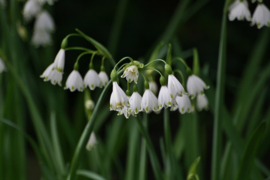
(175, 87)
(92, 80)
(59, 61)
(44, 22)
(202, 102)
(195, 85)
(131, 73)
(149, 102)
(261, 16)
(74, 81)
(31, 9)
(164, 98)
(126, 111)
(153, 87)
(2, 66)
(239, 10)
(55, 77)
(184, 104)
(41, 38)
(103, 78)
(91, 142)
(135, 103)
(118, 98)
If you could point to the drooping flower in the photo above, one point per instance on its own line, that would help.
(47, 72)
(91, 79)
(195, 85)
(175, 87)
(103, 78)
(131, 73)
(239, 10)
(164, 98)
(74, 81)
(41, 38)
(153, 87)
(31, 9)
(261, 16)
(149, 102)
(2, 66)
(184, 104)
(91, 142)
(202, 102)
(55, 77)
(118, 98)
(135, 103)
(125, 110)
(59, 61)
(44, 22)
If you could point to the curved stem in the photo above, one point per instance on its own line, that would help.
(82, 54)
(121, 67)
(124, 58)
(155, 61)
(181, 60)
(153, 70)
(182, 76)
(79, 48)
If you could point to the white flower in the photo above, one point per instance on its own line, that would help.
(125, 111)
(50, 2)
(131, 74)
(153, 87)
(91, 142)
(239, 10)
(184, 104)
(47, 72)
(31, 9)
(175, 87)
(51, 74)
(91, 79)
(195, 85)
(135, 103)
(2, 66)
(253, 1)
(74, 81)
(118, 98)
(41, 38)
(103, 78)
(235, 3)
(261, 16)
(164, 98)
(149, 102)
(202, 102)
(44, 22)
(59, 61)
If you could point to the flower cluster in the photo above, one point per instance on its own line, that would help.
(44, 24)
(239, 9)
(171, 95)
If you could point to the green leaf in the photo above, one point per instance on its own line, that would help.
(196, 63)
(101, 49)
(192, 175)
(250, 152)
(90, 175)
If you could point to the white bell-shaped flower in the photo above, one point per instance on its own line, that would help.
(41, 38)
(239, 10)
(164, 98)
(184, 104)
(103, 78)
(153, 87)
(125, 110)
(47, 72)
(31, 9)
(149, 102)
(175, 87)
(91, 142)
(2, 66)
(195, 85)
(135, 103)
(59, 61)
(261, 16)
(74, 81)
(44, 22)
(91, 79)
(118, 98)
(131, 73)
(55, 77)
(202, 102)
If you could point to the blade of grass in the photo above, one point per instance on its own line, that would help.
(90, 175)
(143, 162)
(219, 101)
(250, 152)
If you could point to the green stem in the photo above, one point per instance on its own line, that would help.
(181, 60)
(153, 70)
(84, 137)
(182, 76)
(143, 162)
(152, 153)
(80, 48)
(168, 143)
(155, 61)
(219, 98)
(124, 58)
(82, 54)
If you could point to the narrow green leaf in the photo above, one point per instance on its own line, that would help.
(196, 62)
(250, 152)
(192, 170)
(90, 175)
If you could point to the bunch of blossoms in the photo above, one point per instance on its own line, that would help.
(44, 24)
(171, 94)
(239, 9)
